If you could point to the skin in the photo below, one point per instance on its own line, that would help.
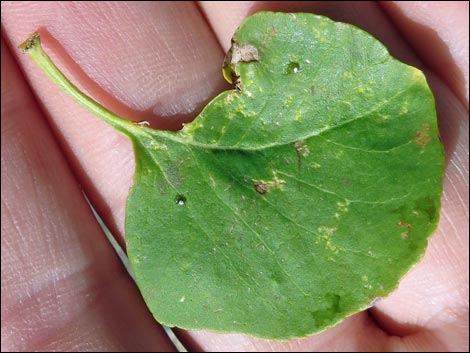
(63, 287)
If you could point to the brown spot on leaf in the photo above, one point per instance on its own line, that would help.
(406, 229)
(422, 136)
(301, 150)
(262, 187)
(269, 34)
(243, 53)
(238, 53)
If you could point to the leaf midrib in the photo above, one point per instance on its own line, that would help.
(173, 136)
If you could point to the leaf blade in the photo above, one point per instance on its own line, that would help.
(251, 157)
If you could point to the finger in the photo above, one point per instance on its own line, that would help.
(438, 32)
(63, 288)
(158, 59)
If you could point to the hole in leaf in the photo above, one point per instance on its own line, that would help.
(292, 68)
(180, 200)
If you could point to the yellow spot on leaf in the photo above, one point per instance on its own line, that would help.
(404, 108)
(288, 102)
(342, 207)
(406, 227)
(301, 148)
(417, 75)
(327, 231)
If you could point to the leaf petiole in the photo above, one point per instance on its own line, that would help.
(32, 46)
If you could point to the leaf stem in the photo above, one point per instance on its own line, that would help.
(32, 46)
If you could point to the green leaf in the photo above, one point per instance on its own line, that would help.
(293, 200)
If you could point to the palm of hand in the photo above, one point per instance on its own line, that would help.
(62, 285)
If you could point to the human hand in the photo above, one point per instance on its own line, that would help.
(63, 287)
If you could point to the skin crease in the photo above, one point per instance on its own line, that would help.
(62, 286)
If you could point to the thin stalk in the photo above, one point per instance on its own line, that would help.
(32, 46)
